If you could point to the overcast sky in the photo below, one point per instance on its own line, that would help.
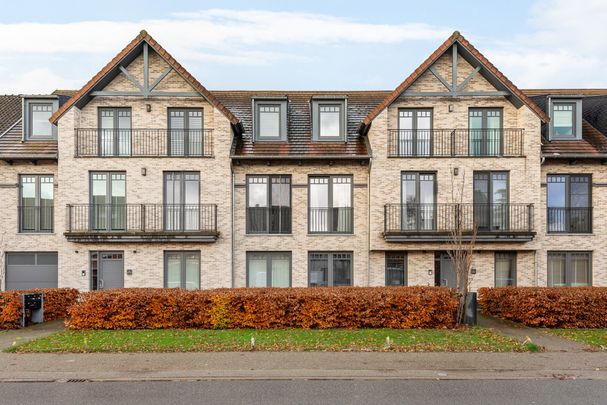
(343, 45)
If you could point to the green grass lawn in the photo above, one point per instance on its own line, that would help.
(195, 340)
(593, 337)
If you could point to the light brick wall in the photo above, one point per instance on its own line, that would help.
(299, 242)
(10, 238)
(385, 186)
(146, 259)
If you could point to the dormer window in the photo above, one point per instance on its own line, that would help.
(565, 119)
(36, 119)
(270, 119)
(328, 120)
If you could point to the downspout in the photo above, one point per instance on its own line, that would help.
(369, 221)
(232, 225)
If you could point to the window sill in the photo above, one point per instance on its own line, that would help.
(330, 233)
(269, 234)
(36, 233)
(569, 234)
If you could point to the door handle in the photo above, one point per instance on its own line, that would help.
(100, 284)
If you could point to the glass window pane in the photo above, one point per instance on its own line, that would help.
(505, 269)
(40, 114)
(562, 117)
(192, 271)
(269, 121)
(580, 269)
(258, 192)
(329, 117)
(342, 191)
(319, 270)
(257, 270)
(281, 270)
(342, 269)
(395, 268)
(556, 269)
(173, 272)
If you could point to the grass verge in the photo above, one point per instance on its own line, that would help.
(474, 339)
(593, 337)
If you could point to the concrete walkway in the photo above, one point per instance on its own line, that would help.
(550, 343)
(8, 337)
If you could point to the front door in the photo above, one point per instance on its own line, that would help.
(107, 270)
(445, 275)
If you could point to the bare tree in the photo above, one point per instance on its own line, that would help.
(462, 242)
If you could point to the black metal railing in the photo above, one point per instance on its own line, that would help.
(139, 142)
(444, 218)
(569, 220)
(142, 218)
(331, 220)
(456, 142)
(268, 219)
(36, 218)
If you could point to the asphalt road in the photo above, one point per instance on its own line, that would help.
(366, 392)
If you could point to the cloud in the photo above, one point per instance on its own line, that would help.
(37, 81)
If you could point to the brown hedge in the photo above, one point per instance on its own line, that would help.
(56, 304)
(341, 307)
(552, 307)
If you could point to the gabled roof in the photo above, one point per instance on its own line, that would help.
(112, 69)
(299, 129)
(456, 37)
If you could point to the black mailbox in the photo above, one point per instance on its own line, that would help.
(33, 308)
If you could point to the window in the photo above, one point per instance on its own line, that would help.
(418, 199)
(186, 132)
(330, 269)
(568, 200)
(569, 269)
(330, 204)
(328, 120)
(414, 132)
(115, 131)
(505, 269)
(565, 118)
(491, 208)
(268, 269)
(270, 120)
(182, 201)
(108, 201)
(36, 205)
(182, 270)
(485, 126)
(269, 204)
(396, 268)
(36, 120)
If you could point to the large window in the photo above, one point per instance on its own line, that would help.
(268, 269)
(563, 120)
(330, 269)
(330, 204)
(418, 196)
(182, 201)
(36, 124)
(186, 132)
(505, 269)
(414, 132)
(270, 120)
(569, 203)
(569, 269)
(108, 201)
(491, 209)
(396, 268)
(328, 120)
(485, 126)
(36, 206)
(115, 131)
(182, 270)
(269, 204)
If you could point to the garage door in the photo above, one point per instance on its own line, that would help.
(31, 270)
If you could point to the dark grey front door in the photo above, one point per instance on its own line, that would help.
(107, 270)
(447, 272)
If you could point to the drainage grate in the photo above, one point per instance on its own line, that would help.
(76, 380)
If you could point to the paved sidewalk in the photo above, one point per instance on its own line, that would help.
(551, 343)
(31, 332)
(300, 365)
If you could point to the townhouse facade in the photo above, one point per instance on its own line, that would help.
(144, 178)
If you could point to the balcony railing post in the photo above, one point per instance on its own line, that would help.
(453, 143)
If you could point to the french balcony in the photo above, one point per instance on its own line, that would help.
(500, 142)
(36, 218)
(97, 142)
(142, 223)
(272, 220)
(441, 222)
(328, 220)
(569, 219)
